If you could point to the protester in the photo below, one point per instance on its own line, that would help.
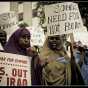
(19, 43)
(58, 68)
(76, 76)
(55, 62)
(81, 58)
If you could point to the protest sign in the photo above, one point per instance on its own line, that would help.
(15, 70)
(81, 36)
(8, 19)
(63, 18)
(8, 22)
(37, 36)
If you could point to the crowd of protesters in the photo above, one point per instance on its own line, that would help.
(51, 65)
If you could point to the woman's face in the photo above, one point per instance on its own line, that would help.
(24, 41)
(54, 42)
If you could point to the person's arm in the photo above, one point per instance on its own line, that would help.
(35, 67)
(75, 71)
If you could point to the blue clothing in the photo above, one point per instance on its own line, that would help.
(86, 57)
(84, 72)
(84, 68)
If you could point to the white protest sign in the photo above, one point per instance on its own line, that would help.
(8, 21)
(62, 18)
(37, 36)
(15, 70)
(81, 36)
(8, 17)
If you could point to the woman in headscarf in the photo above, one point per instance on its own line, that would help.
(19, 43)
(58, 68)
(55, 62)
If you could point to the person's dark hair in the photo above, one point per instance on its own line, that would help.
(23, 25)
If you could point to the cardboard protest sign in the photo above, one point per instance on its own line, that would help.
(15, 70)
(62, 18)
